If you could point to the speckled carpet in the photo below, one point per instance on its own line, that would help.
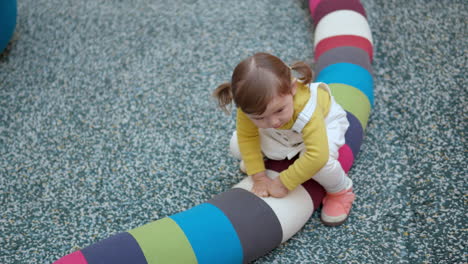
(106, 123)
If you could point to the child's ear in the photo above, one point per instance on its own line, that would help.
(293, 87)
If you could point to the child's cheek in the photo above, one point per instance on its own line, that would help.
(258, 123)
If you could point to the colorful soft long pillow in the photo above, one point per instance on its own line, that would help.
(236, 226)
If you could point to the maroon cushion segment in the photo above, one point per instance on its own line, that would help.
(315, 190)
(327, 6)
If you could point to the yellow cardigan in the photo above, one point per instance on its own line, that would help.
(314, 135)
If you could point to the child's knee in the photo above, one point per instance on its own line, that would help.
(333, 167)
(234, 146)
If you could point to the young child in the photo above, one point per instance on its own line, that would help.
(279, 117)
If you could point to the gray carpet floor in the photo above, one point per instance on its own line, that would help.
(106, 123)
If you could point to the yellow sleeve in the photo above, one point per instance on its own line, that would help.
(249, 144)
(316, 155)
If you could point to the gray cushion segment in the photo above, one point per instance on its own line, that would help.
(347, 54)
(257, 225)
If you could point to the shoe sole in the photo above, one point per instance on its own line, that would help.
(333, 224)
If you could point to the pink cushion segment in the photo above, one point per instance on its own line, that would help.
(345, 157)
(72, 258)
(343, 40)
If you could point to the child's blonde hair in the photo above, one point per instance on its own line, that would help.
(257, 80)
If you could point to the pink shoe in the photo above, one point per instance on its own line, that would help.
(336, 207)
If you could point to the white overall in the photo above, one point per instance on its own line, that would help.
(279, 144)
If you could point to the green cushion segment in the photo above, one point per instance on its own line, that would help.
(353, 101)
(163, 241)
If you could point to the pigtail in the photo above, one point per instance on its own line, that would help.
(224, 96)
(304, 70)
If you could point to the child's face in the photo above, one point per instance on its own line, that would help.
(279, 111)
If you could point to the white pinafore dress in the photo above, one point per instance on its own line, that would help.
(279, 144)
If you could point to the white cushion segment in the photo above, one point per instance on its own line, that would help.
(342, 22)
(292, 211)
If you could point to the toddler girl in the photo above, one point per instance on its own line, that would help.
(279, 117)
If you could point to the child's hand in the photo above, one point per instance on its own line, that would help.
(277, 188)
(261, 184)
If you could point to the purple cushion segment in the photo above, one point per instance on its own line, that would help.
(121, 248)
(354, 134)
(347, 54)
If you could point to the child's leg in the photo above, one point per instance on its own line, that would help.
(332, 177)
(234, 146)
(235, 151)
(340, 197)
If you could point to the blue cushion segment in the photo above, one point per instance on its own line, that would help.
(350, 74)
(211, 234)
(8, 13)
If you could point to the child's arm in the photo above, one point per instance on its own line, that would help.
(277, 188)
(261, 184)
(249, 144)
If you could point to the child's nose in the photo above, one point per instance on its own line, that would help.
(275, 122)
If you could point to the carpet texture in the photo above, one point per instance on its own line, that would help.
(106, 123)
